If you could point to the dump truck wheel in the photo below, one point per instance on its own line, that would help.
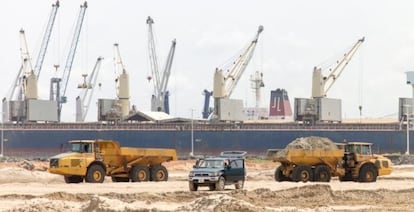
(302, 173)
(95, 174)
(192, 186)
(322, 174)
(220, 184)
(279, 177)
(367, 174)
(139, 174)
(239, 185)
(73, 179)
(159, 173)
(120, 179)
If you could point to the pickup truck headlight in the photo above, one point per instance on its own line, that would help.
(215, 174)
(191, 174)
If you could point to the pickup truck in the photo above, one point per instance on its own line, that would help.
(217, 172)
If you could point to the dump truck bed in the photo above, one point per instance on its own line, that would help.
(310, 157)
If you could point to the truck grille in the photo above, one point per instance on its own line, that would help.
(54, 163)
(201, 174)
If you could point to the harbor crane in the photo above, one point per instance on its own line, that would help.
(319, 108)
(58, 85)
(160, 97)
(88, 86)
(19, 77)
(122, 83)
(45, 39)
(224, 83)
(321, 84)
(28, 81)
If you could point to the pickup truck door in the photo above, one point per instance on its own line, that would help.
(236, 172)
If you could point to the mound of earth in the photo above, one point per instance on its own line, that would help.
(308, 143)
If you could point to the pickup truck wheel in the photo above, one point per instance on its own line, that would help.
(212, 187)
(139, 174)
(120, 179)
(73, 179)
(367, 174)
(239, 184)
(95, 174)
(192, 186)
(322, 174)
(220, 184)
(279, 177)
(159, 173)
(302, 173)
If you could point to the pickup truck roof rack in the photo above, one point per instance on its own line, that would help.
(233, 154)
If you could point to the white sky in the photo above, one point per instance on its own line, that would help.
(298, 35)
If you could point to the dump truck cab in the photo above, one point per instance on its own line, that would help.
(362, 165)
(217, 172)
(92, 160)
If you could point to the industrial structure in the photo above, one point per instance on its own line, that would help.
(116, 109)
(58, 86)
(226, 109)
(319, 108)
(160, 97)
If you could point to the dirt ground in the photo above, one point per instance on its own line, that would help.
(24, 187)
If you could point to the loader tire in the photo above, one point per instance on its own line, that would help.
(139, 174)
(279, 177)
(302, 173)
(95, 174)
(322, 174)
(367, 174)
(159, 173)
(73, 179)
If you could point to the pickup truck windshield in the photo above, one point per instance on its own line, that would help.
(211, 164)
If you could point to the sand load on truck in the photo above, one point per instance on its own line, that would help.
(308, 143)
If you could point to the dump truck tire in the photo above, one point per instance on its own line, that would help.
(120, 179)
(73, 179)
(367, 174)
(139, 174)
(322, 173)
(279, 177)
(159, 173)
(192, 186)
(95, 174)
(220, 184)
(302, 173)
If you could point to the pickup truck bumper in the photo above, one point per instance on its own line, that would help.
(203, 180)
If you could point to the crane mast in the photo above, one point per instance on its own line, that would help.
(45, 40)
(88, 87)
(122, 83)
(322, 84)
(224, 84)
(159, 100)
(56, 91)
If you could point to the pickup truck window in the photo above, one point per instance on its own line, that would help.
(211, 164)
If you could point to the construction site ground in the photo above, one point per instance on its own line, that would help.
(27, 186)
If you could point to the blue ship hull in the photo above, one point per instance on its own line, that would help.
(46, 140)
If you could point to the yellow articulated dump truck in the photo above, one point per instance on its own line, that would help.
(351, 161)
(92, 160)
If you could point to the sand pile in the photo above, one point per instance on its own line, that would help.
(307, 143)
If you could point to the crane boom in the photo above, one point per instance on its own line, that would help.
(224, 84)
(57, 92)
(159, 99)
(320, 84)
(122, 81)
(84, 99)
(46, 38)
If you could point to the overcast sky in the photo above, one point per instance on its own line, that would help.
(297, 36)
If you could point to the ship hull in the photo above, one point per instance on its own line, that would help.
(43, 142)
